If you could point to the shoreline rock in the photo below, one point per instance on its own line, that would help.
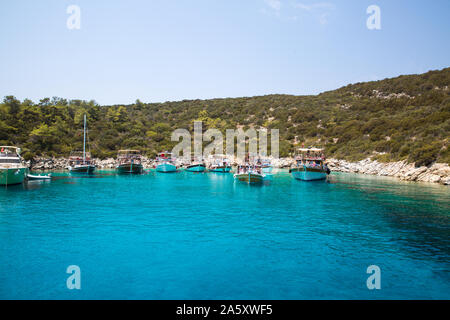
(437, 173)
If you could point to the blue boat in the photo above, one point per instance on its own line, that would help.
(266, 168)
(220, 164)
(196, 167)
(196, 164)
(220, 169)
(310, 165)
(165, 163)
(166, 167)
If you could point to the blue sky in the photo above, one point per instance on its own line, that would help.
(166, 50)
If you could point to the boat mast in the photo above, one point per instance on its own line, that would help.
(84, 141)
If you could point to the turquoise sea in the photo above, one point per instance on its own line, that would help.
(205, 236)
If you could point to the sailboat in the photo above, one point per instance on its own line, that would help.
(12, 168)
(81, 162)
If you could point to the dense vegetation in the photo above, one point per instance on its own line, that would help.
(407, 117)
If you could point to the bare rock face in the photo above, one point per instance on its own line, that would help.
(63, 163)
(49, 164)
(437, 173)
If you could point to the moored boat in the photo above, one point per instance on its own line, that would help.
(80, 161)
(266, 166)
(129, 162)
(164, 163)
(196, 165)
(12, 168)
(249, 174)
(39, 177)
(310, 165)
(220, 164)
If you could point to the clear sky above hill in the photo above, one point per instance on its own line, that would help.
(163, 50)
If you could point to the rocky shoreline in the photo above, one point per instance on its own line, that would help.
(437, 173)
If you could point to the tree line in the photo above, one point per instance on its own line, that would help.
(403, 118)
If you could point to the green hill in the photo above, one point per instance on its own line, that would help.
(407, 117)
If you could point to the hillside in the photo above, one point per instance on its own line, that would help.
(407, 117)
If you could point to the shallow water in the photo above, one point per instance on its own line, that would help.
(205, 236)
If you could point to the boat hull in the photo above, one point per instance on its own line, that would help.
(250, 178)
(267, 169)
(130, 168)
(38, 177)
(10, 176)
(308, 174)
(166, 167)
(196, 168)
(221, 169)
(82, 169)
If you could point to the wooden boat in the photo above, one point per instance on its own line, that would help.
(12, 168)
(80, 161)
(220, 164)
(129, 162)
(164, 163)
(310, 165)
(249, 174)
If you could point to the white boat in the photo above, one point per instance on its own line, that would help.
(12, 168)
(310, 165)
(39, 177)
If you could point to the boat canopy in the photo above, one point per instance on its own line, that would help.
(165, 154)
(6, 149)
(310, 150)
(129, 153)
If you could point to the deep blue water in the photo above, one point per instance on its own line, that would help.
(204, 236)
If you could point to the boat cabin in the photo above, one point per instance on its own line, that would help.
(77, 158)
(9, 155)
(125, 156)
(164, 156)
(219, 160)
(311, 157)
(248, 168)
